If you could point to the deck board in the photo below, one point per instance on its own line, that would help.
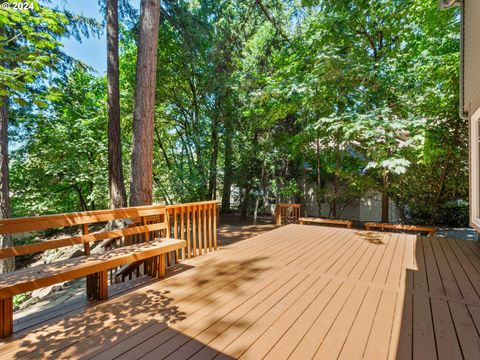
(297, 292)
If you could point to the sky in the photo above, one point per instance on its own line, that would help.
(92, 51)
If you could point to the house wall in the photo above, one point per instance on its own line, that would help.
(471, 56)
(470, 87)
(368, 208)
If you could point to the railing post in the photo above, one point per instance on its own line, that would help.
(144, 222)
(89, 278)
(278, 219)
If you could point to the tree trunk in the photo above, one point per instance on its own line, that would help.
(228, 169)
(438, 195)
(245, 203)
(319, 180)
(116, 185)
(385, 199)
(6, 265)
(334, 207)
(212, 181)
(143, 114)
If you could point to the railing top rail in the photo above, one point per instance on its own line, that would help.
(209, 202)
(36, 223)
(288, 205)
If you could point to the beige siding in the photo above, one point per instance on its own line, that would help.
(471, 47)
(368, 208)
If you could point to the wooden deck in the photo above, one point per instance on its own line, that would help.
(296, 292)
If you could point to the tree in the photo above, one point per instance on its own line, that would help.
(24, 57)
(59, 161)
(116, 185)
(143, 115)
(5, 240)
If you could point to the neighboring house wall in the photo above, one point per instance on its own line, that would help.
(471, 56)
(368, 208)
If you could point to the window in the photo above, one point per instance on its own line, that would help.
(475, 169)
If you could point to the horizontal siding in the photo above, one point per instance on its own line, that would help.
(368, 208)
(472, 56)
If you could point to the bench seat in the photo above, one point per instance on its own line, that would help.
(347, 223)
(431, 230)
(21, 281)
(24, 280)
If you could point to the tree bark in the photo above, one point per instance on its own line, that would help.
(228, 169)
(441, 184)
(6, 265)
(143, 114)
(319, 179)
(245, 203)
(334, 206)
(116, 185)
(212, 181)
(385, 199)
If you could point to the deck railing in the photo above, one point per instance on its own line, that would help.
(196, 223)
(287, 213)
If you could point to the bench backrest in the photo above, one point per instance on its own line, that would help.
(39, 223)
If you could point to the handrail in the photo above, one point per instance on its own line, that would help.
(36, 223)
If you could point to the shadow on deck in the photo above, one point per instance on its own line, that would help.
(144, 317)
(297, 292)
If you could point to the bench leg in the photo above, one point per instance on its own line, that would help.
(97, 286)
(161, 266)
(91, 286)
(158, 266)
(6, 317)
(102, 285)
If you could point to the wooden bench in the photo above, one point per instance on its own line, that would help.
(347, 223)
(95, 266)
(21, 281)
(428, 229)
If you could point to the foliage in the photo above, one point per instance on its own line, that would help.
(245, 92)
(60, 163)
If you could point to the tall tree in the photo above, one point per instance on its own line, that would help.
(116, 185)
(5, 240)
(143, 113)
(30, 52)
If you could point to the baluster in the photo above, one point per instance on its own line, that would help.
(199, 230)
(215, 226)
(205, 233)
(210, 217)
(188, 233)
(182, 228)
(194, 230)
